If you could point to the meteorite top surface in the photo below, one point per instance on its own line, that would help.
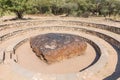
(51, 41)
(53, 47)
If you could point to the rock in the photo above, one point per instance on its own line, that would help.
(53, 47)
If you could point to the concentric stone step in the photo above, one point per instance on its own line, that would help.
(100, 34)
(104, 59)
(10, 51)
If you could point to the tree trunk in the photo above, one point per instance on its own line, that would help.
(19, 14)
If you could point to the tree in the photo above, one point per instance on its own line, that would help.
(116, 9)
(1, 12)
(19, 7)
(58, 7)
(43, 6)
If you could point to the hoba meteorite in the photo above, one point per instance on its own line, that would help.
(53, 47)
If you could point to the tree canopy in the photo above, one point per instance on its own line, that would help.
(56, 7)
(19, 7)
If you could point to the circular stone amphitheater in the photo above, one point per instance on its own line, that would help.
(96, 57)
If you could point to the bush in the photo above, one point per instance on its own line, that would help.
(86, 14)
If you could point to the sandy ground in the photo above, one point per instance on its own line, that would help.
(29, 60)
(98, 20)
(6, 73)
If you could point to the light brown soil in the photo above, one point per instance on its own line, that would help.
(29, 60)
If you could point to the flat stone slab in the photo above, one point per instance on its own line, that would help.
(53, 47)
